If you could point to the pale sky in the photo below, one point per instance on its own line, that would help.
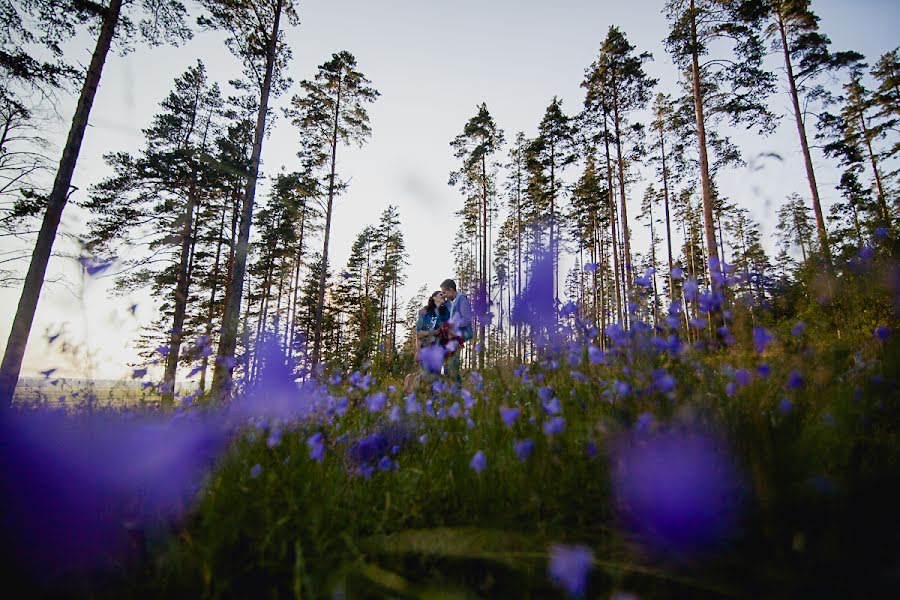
(433, 63)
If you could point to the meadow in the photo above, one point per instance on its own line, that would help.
(760, 462)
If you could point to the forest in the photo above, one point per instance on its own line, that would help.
(654, 401)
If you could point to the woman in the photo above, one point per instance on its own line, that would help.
(431, 317)
(433, 320)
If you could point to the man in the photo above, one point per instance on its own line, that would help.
(460, 321)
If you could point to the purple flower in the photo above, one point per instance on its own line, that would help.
(412, 407)
(677, 272)
(795, 380)
(867, 252)
(569, 567)
(375, 402)
(316, 446)
(590, 267)
(882, 333)
(762, 337)
(730, 389)
(798, 329)
(763, 370)
(552, 406)
(743, 377)
(622, 388)
(432, 358)
(554, 426)
(386, 464)
(478, 462)
(678, 491)
(644, 422)
(255, 470)
(274, 438)
(509, 415)
(524, 448)
(785, 406)
(689, 289)
(595, 355)
(698, 323)
(664, 382)
(455, 411)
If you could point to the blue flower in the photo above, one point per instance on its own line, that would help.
(882, 333)
(524, 448)
(689, 289)
(455, 411)
(468, 400)
(554, 426)
(743, 377)
(798, 329)
(595, 355)
(375, 402)
(478, 462)
(552, 406)
(763, 370)
(432, 358)
(412, 407)
(762, 337)
(386, 464)
(255, 470)
(644, 422)
(316, 447)
(569, 567)
(509, 415)
(785, 406)
(795, 380)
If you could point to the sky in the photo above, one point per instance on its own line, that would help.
(434, 63)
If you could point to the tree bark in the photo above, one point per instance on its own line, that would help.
(709, 226)
(222, 376)
(804, 144)
(34, 279)
(320, 306)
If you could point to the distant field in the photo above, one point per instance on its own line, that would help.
(100, 393)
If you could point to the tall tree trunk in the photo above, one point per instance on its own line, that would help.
(222, 376)
(626, 235)
(212, 297)
(485, 283)
(34, 278)
(709, 226)
(804, 144)
(612, 220)
(320, 306)
(665, 174)
(182, 288)
(882, 204)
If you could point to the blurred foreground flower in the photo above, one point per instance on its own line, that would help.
(679, 492)
(569, 567)
(78, 490)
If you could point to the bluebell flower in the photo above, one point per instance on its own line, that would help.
(569, 567)
(622, 388)
(590, 449)
(274, 438)
(455, 411)
(423, 438)
(590, 267)
(867, 252)
(524, 448)
(552, 406)
(798, 329)
(316, 445)
(412, 407)
(882, 333)
(795, 380)
(395, 414)
(881, 232)
(677, 272)
(663, 382)
(554, 426)
(509, 415)
(478, 462)
(678, 491)
(730, 389)
(376, 402)
(255, 470)
(470, 423)
(743, 377)
(763, 370)
(689, 289)
(386, 464)
(468, 400)
(698, 323)
(432, 358)
(595, 355)
(644, 422)
(762, 337)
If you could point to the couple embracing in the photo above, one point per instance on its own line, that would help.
(443, 326)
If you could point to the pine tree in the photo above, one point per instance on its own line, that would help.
(795, 226)
(330, 113)
(164, 21)
(548, 155)
(253, 29)
(617, 80)
(475, 147)
(729, 85)
(794, 31)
